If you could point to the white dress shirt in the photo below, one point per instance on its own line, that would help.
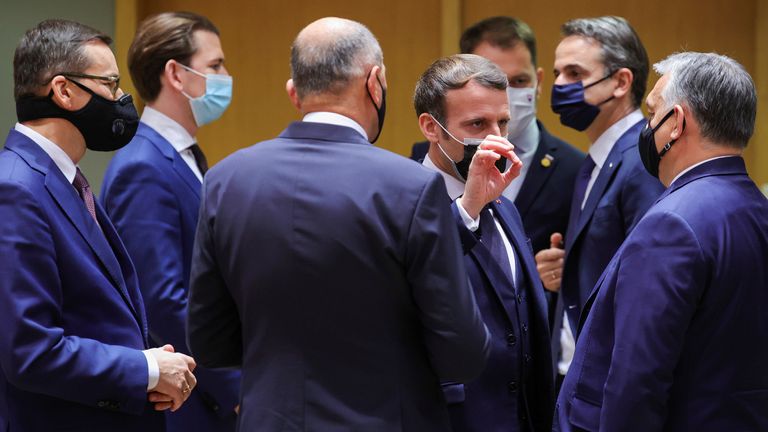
(335, 119)
(175, 134)
(598, 151)
(525, 148)
(69, 169)
(455, 189)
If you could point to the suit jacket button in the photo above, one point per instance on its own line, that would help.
(101, 404)
(512, 386)
(525, 328)
(519, 298)
(511, 339)
(528, 358)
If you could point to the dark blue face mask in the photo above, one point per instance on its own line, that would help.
(568, 101)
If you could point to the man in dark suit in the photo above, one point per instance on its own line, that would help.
(74, 347)
(601, 68)
(542, 192)
(669, 340)
(463, 97)
(329, 269)
(152, 190)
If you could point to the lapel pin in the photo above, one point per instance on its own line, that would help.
(498, 201)
(546, 161)
(610, 165)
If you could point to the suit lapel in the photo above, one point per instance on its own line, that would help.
(496, 276)
(169, 152)
(536, 177)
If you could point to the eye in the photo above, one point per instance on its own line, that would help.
(503, 123)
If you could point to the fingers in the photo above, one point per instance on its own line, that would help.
(168, 347)
(162, 406)
(159, 397)
(556, 240)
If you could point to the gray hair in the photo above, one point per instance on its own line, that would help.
(326, 64)
(620, 45)
(50, 48)
(450, 73)
(719, 92)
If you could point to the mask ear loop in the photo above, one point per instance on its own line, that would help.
(668, 145)
(200, 74)
(449, 134)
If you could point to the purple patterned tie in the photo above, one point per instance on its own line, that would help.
(84, 189)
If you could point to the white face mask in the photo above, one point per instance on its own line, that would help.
(522, 109)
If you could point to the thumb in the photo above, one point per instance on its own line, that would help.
(168, 347)
(556, 241)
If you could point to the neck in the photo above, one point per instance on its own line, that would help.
(608, 118)
(346, 104)
(441, 162)
(62, 133)
(679, 159)
(177, 109)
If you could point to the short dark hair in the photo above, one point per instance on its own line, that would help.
(451, 73)
(52, 47)
(500, 31)
(620, 45)
(159, 38)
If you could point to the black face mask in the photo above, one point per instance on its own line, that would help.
(106, 125)
(646, 145)
(381, 111)
(462, 166)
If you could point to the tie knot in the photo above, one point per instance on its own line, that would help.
(80, 181)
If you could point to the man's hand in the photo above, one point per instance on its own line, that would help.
(176, 379)
(549, 263)
(484, 181)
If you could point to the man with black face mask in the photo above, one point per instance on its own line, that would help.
(601, 68)
(74, 348)
(672, 337)
(463, 112)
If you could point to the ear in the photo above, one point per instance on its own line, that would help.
(292, 94)
(429, 127)
(624, 78)
(679, 115)
(172, 75)
(62, 93)
(374, 88)
(539, 79)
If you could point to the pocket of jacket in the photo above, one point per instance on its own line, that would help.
(584, 414)
(453, 392)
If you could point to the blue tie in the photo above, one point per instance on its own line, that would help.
(582, 180)
(491, 238)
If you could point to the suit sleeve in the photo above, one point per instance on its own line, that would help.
(661, 279)
(455, 335)
(36, 354)
(145, 211)
(213, 322)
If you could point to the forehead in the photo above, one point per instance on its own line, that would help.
(475, 100)
(511, 60)
(102, 60)
(208, 45)
(655, 96)
(578, 51)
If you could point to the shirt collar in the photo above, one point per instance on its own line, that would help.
(600, 149)
(528, 140)
(59, 156)
(453, 185)
(335, 119)
(168, 128)
(697, 164)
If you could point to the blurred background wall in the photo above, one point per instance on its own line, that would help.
(256, 36)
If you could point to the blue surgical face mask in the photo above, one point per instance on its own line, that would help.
(211, 105)
(568, 101)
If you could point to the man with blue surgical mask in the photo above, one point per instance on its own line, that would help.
(152, 188)
(601, 69)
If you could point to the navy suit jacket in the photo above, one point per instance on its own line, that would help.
(73, 322)
(620, 196)
(489, 403)
(331, 271)
(153, 198)
(675, 336)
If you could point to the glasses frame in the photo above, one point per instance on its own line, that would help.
(114, 80)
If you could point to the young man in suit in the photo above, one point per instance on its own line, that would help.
(74, 347)
(330, 269)
(669, 342)
(601, 68)
(541, 192)
(152, 188)
(464, 97)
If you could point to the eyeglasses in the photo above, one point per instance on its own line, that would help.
(112, 81)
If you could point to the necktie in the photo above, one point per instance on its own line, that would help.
(84, 190)
(200, 160)
(491, 237)
(582, 180)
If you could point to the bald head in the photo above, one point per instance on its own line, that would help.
(329, 53)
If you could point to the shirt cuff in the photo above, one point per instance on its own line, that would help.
(471, 224)
(154, 370)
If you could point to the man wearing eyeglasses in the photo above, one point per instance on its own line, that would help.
(152, 189)
(74, 347)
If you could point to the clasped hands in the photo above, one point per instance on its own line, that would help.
(484, 181)
(176, 380)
